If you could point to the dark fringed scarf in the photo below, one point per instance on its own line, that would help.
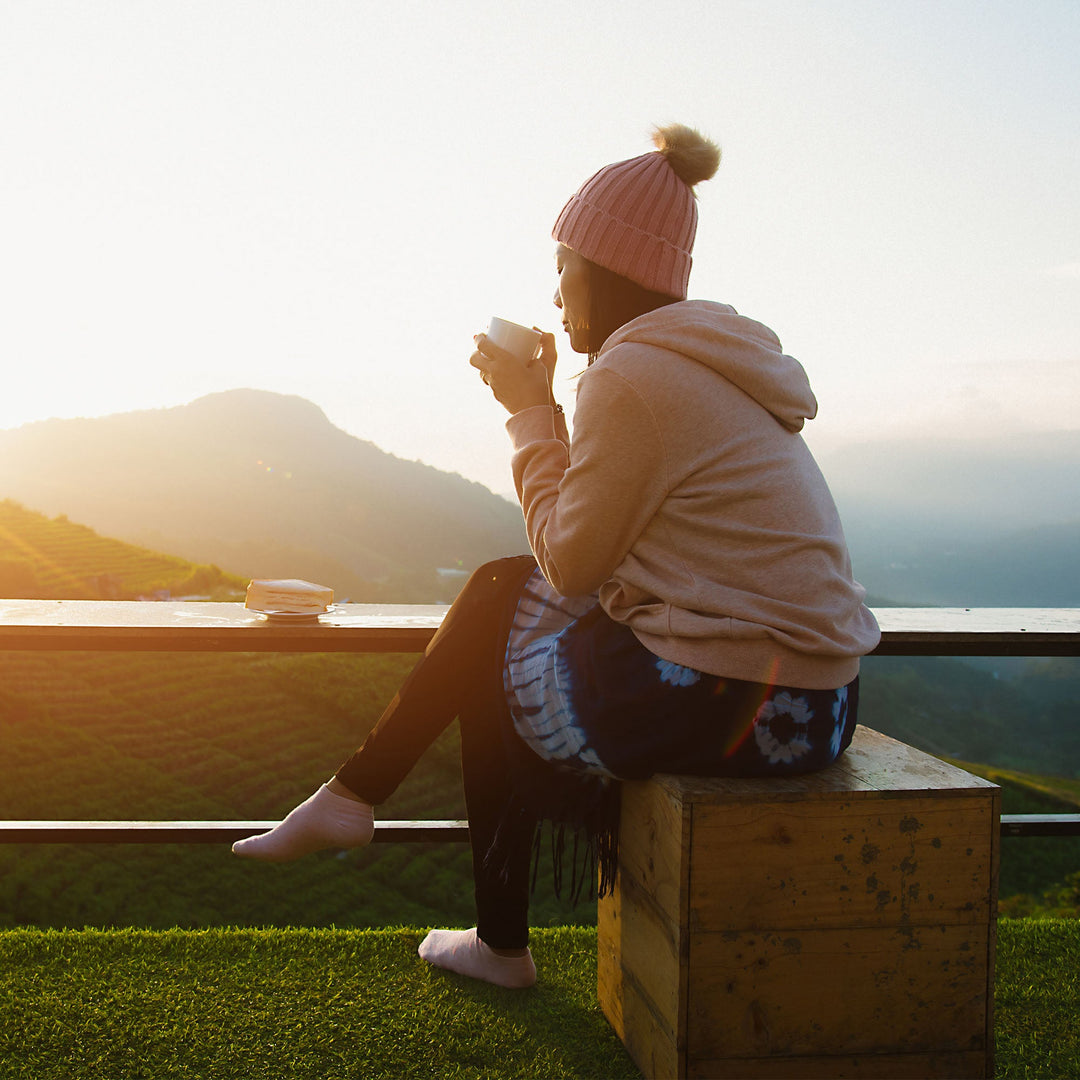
(579, 810)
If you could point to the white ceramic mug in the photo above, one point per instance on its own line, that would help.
(520, 341)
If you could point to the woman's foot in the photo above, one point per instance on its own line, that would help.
(324, 821)
(462, 951)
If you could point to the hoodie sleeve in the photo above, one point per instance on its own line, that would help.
(586, 505)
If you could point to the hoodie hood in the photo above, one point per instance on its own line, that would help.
(746, 353)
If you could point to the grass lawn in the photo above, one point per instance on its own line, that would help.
(336, 1004)
(262, 1004)
(1037, 998)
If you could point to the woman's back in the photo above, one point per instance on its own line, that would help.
(694, 506)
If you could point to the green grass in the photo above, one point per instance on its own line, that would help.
(350, 1004)
(1037, 999)
(262, 1004)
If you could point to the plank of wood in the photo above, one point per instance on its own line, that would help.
(993, 842)
(924, 861)
(978, 631)
(187, 626)
(1040, 824)
(935, 1066)
(871, 990)
(654, 840)
(211, 627)
(650, 955)
(881, 763)
(874, 765)
(638, 963)
(641, 930)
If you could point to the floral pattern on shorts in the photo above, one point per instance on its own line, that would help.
(584, 693)
(782, 728)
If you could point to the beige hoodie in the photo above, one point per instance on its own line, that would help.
(689, 501)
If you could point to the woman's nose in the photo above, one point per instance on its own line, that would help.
(557, 299)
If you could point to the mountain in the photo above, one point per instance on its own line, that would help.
(964, 522)
(263, 485)
(1036, 567)
(956, 488)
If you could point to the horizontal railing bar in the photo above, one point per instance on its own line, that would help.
(386, 832)
(205, 832)
(143, 626)
(140, 626)
(978, 631)
(1040, 824)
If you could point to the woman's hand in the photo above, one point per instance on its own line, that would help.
(548, 357)
(516, 385)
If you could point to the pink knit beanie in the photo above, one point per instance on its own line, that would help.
(638, 217)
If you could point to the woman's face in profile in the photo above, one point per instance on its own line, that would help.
(572, 296)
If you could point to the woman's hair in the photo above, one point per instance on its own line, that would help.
(613, 301)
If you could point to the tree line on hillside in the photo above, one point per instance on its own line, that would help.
(43, 558)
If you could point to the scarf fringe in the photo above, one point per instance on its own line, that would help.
(583, 826)
(585, 804)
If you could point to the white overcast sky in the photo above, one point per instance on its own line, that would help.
(328, 199)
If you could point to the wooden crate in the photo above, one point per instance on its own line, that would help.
(833, 925)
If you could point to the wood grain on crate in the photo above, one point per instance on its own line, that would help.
(838, 924)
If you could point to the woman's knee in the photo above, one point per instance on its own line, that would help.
(494, 576)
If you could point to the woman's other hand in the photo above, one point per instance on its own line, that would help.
(516, 385)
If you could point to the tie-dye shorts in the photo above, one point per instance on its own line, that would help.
(584, 693)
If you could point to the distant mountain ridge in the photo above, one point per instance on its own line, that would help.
(973, 520)
(263, 485)
(959, 486)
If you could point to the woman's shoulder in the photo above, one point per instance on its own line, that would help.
(692, 325)
(649, 346)
(672, 319)
(708, 351)
(650, 376)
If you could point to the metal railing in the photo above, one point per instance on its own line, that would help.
(134, 626)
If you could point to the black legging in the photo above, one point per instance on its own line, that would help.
(460, 675)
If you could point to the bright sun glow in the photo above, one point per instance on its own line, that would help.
(329, 200)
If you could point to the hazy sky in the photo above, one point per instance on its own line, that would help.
(329, 199)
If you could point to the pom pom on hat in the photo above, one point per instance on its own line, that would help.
(693, 157)
(638, 218)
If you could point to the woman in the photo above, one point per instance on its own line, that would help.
(689, 606)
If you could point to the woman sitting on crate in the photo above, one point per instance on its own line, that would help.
(688, 606)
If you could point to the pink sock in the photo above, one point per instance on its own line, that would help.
(462, 951)
(323, 821)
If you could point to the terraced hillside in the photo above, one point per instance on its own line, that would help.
(193, 736)
(147, 736)
(204, 736)
(57, 559)
(1040, 875)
